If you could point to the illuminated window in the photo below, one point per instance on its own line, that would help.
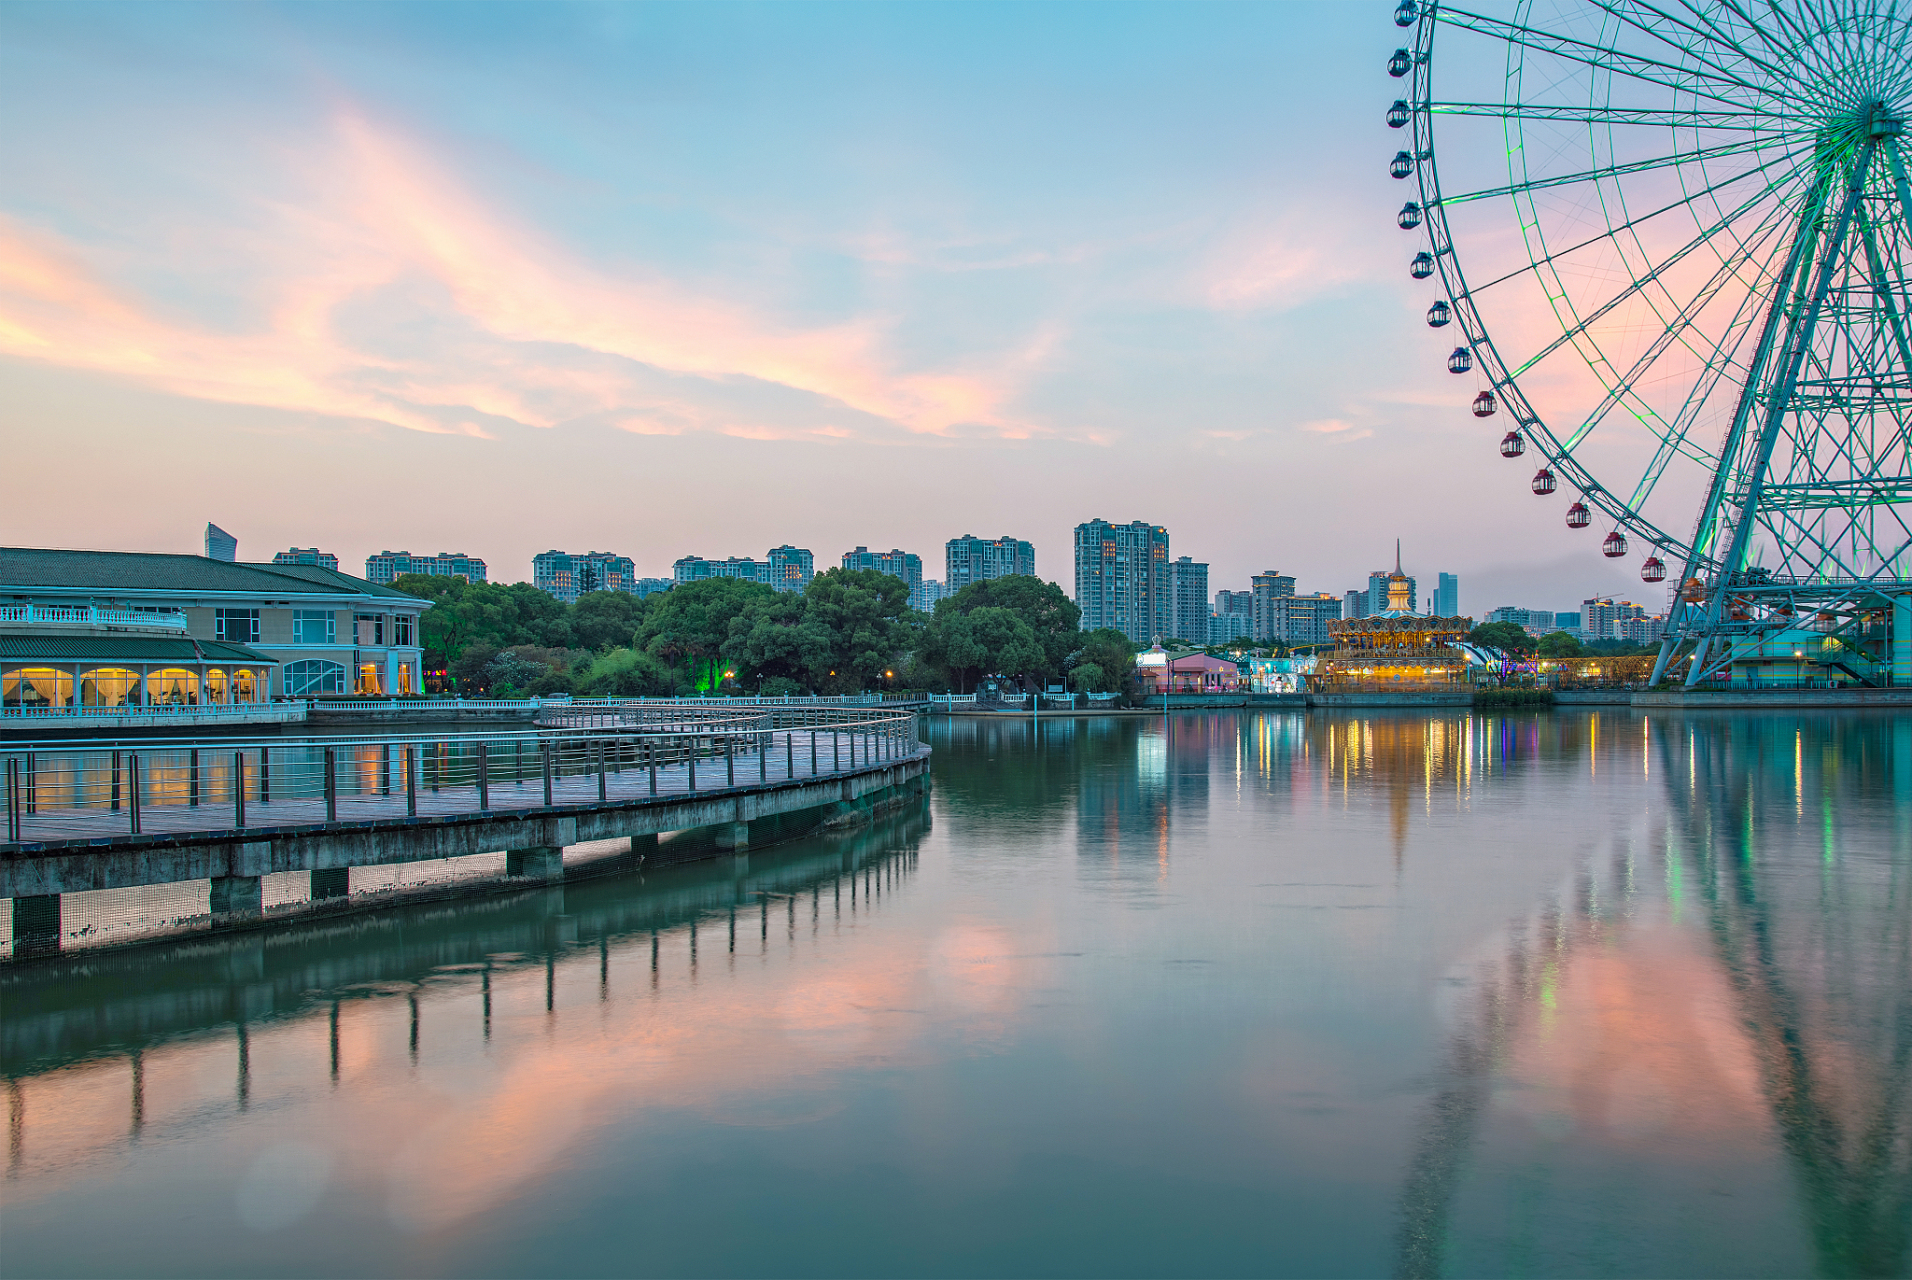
(305, 679)
(404, 680)
(109, 687)
(370, 679)
(215, 687)
(245, 687)
(173, 687)
(36, 687)
(314, 626)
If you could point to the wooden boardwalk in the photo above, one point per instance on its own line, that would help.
(798, 755)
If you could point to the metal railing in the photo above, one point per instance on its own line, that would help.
(65, 791)
(138, 712)
(429, 703)
(87, 615)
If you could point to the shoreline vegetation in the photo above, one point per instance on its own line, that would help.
(850, 631)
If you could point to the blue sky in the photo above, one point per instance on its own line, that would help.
(671, 279)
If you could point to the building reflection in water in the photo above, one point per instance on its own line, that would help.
(1734, 968)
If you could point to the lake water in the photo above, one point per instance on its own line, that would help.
(1230, 994)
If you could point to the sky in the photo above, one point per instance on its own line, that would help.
(706, 279)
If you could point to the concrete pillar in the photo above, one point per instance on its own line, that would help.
(235, 898)
(535, 864)
(36, 925)
(334, 882)
(733, 835)
(644, 846)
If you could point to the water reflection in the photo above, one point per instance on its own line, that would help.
(1231, 994)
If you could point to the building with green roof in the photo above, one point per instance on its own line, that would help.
(96, 630)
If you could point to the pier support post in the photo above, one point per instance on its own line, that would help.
(235, 898)
(644, 846)
(36, 925)
(733, 835)
(333, 882)
(535, 864)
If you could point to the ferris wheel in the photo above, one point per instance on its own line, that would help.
(1672, 240)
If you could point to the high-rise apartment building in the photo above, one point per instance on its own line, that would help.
(906, 565)
(791, 568)
(1303, 620)
(650, 586)
(387, 565)
(1188, 582)
(1233, 618)
(308, 555)
(1539, 621)
(1447, 597)
(786, 568)
(1600, 619)
(220, 545)
(568, 575)
(1122, 579)
(925, 595)
(1267, 587)
(1354, 604)
(971, 559)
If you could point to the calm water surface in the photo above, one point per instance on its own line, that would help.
(1566, 994)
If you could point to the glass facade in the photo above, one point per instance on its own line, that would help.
(172, 687)
(313, 676)
(109, 687)
(36, 687)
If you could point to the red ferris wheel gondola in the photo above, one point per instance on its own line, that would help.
(1484, 405)
(1578, 517)
(1512, 445)
(1544, 482)
(1615, 546)
(1654, 570)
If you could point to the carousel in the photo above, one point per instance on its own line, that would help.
(1397, 647)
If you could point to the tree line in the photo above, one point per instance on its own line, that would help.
(849, 631)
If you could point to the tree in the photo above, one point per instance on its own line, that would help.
(466, 613)
(1104, 664)
(1557, 645)
(1051, 615)
(602, 619)
(1504, 636)
(863, 618)
(689, 624)
(773, 645)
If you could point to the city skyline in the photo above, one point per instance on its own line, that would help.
(350, 252)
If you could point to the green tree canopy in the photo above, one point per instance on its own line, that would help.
(1559, 644)
(864, 619)
(1504, 636)
(982, 642)
(606, 619)
(1104, 664)
(1051, 615)
(686, 627)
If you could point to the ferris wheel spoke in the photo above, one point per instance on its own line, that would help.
(1728, 268)
(1603, 58)
(1619, 11)
(1683, 202)
(1711, 30)
(1648, 70)
(1745, 121)
(1699, 155)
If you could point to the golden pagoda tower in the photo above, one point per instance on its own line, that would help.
(1396, 647)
